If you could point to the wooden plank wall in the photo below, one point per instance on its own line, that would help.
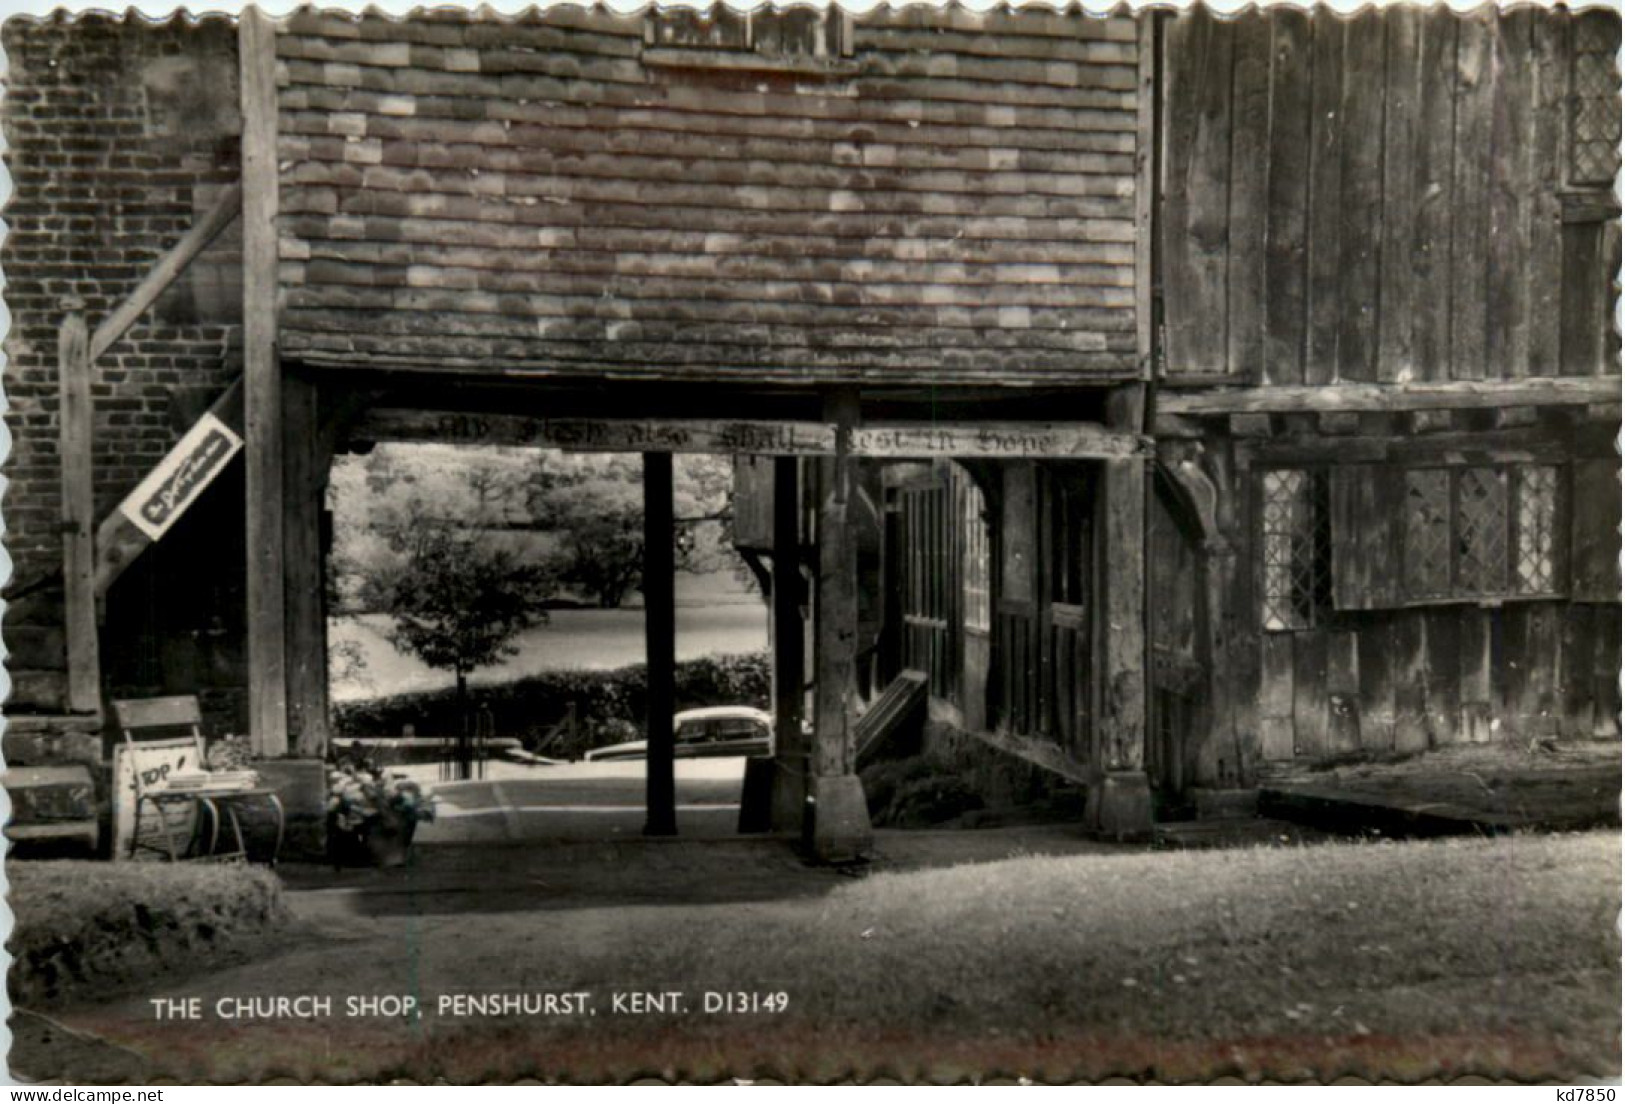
(1377, 199)
(1410, 678)
(1407, 680)
(955, 198)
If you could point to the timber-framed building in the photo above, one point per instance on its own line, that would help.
(1163, 395)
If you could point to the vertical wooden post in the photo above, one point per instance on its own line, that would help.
(837, 627)
(660, 643)
(305, 464)
(790, 756)
(262, 389)
(1121, 801)
(840, 830)
(76, 416)
(1123, 706)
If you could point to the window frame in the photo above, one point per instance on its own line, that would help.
(1323, 604)
(976, 576)
(1573, 103)
(831, 54)
(1514, 473)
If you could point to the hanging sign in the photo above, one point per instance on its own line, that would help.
(175, 483)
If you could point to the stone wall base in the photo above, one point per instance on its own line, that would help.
(840, 830)
(1120, 806)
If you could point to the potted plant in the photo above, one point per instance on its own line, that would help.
(373, 814)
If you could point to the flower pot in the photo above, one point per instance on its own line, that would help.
(389, 839)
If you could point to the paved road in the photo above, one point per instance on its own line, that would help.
(577, 801)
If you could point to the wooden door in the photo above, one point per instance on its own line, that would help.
(1066, 535)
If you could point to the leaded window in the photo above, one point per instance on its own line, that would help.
(1427, 533)
(1536, 564)
(977, 592)
(1297, 549)
(1594, 101)
(795, 32)
(1481, 532)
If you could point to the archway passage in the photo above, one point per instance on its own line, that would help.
(824, 536)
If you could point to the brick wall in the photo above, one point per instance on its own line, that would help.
(119, 134)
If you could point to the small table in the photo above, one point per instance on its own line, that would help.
(215, 802)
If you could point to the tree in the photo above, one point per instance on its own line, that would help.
(458, 601)
(593, 503)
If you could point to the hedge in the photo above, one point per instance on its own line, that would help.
(82, 928)
(609, 705)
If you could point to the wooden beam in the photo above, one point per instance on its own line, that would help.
(1145, 167)
(1122, 639)
(305, 465)
(262, 390)
(773, 438)
(660, 644)
(1376, 397)
(836, 626)
(77, 418)
(840, 830)
(168, 268)
(892, 440)
(789, 659)
(1502, 446)
(997, 440)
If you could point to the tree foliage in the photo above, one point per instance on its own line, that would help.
(459, 601)
(594, 506)
(579, 516)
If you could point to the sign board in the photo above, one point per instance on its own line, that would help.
(604, 435)
(183, 474)
(990, 440)
(156, 760)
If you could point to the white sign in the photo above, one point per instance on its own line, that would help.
(177, 481)
(156, 760)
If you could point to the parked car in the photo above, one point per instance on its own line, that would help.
(711, 733)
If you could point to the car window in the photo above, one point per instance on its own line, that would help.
(694, 732)
(734, 728)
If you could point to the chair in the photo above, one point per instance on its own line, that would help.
(177, 758)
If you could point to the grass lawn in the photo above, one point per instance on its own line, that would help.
(1398, 960)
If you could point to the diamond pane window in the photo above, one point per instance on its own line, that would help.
(1427, 533)
(1481, 531)
(1536, 564)
(1297, 550)
(1594, 102)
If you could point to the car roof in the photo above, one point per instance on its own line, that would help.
(714, 711)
